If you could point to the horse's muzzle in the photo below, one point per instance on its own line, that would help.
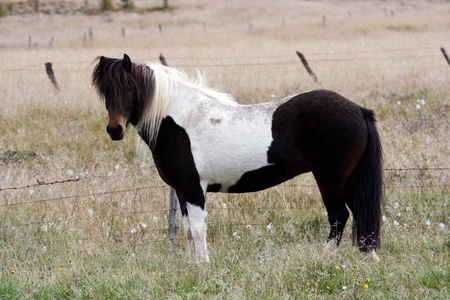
(115, 132)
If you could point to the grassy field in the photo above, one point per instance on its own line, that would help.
(104, 234)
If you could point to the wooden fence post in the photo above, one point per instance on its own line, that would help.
(51, 75)
(160, 29)
(51, 42)
(308, 69)
(445, 55)
(173, 210)
(173, 217)
(163, 60)
(91, 36)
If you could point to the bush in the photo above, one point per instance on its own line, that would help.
(128, 4)
(106, 5)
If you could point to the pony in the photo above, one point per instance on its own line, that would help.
(204, 141)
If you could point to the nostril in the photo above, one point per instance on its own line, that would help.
(118, 129)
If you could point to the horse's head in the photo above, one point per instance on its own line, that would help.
(116, 83)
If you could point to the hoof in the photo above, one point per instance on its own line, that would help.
(330, 248)
(371, 255)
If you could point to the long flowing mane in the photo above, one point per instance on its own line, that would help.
(153, 86)
(166, 81)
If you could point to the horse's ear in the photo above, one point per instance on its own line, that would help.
(126, 62)
(103, 62)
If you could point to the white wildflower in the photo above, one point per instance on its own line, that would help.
(399, 102)
(399, 214)
(396, 205)
(110, 173)
(428, 222)
(90, 212)
(441, 226)
(69, 172)
(31, 191)
(384, 218)
(224, 205)
(422, 102)
(133, 230)
(269, 227)
(344, 287)
(396, 223)
(117, 167)
(418, 106)
(408, 208)
(249, 226)
(143, 225)
(155, 218)
(122, 204)
(44, 249)
(44, 228)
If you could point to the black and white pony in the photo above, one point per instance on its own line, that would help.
(204, 141)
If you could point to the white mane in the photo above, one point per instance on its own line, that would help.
(166, 80)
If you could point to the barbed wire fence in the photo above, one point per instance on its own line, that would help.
(165, 210)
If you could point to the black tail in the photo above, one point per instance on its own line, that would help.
(368, 189)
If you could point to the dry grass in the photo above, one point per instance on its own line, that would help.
(59, 246)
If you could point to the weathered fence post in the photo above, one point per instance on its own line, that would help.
(123, 32)
(445, 55)
(51, 75)
(51, 42)
(308, 69)
(29, 42)
(160, 29)
(173, 217)
(173, 210)
(91, 36)
(163, 59)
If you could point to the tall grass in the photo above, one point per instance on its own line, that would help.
(104, 237)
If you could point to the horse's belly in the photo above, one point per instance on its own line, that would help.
(222, 159)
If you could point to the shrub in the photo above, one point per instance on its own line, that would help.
(128, 4)
(106, 5)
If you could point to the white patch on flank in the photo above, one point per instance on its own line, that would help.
(227, 139)
(197, 223)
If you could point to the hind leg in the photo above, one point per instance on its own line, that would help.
(333, 198)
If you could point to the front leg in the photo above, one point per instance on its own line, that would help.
(192, 203)
(186, 226)
(197, 222)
